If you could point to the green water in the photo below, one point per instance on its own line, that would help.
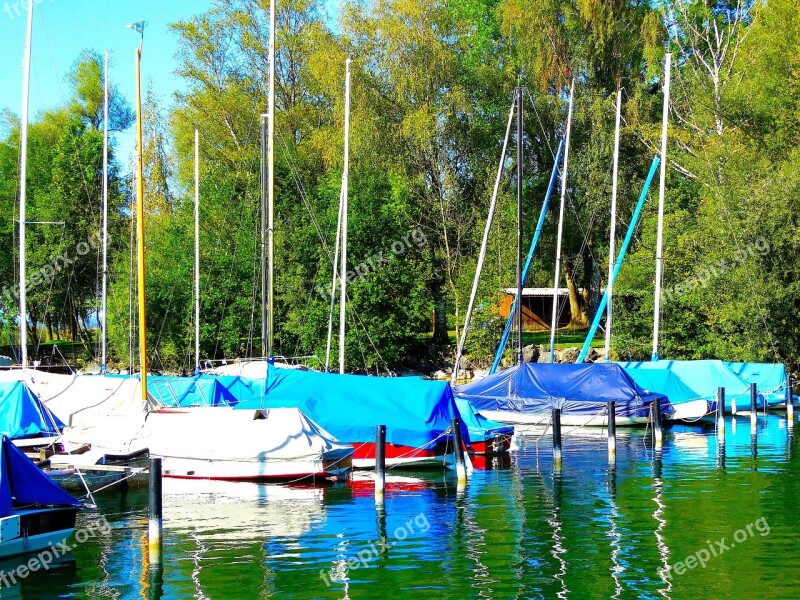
(519, 532)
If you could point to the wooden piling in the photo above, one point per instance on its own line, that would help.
(380, 462)
(557, 438)
(753, 405)
(721, 413)
(458, 449)
(789, 401)
(156, 521)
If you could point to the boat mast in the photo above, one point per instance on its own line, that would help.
(23, 184)
(343, 267)
(661, 194)
(484, 244)
(554, 319)
(519, 224)
(196, 250)
(613, 233)
(264, 193)
(271, 187)
(104, 332)
(140, 221)
(333, 287)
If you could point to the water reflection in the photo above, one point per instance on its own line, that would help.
(593, 529)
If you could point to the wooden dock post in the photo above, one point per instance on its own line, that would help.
(753, 405)
(557, 438)
(721, 413)
(380, 463)
(458, 449)
(156, 522)
(612, 431)
(789, 401)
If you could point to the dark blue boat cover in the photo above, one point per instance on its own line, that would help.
(23, 415)
(24, 485)
(350, 407)
(575, 389)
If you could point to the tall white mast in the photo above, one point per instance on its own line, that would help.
(197, 250)
(23, 172)
(333, 287)
(271, 184)
(612, 236)
(104, 333)
(343, 267)
(661, 193)
(554, 320)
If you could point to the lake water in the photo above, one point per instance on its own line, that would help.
(518, 532)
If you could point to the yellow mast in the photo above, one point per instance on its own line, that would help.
(140, 229)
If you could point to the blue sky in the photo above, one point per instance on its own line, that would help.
(63, 28)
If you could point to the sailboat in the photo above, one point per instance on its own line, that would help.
(116, 415)
(34, 512)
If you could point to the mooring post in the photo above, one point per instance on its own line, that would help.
(789, 401)
(657, 430)
(156, 521)
(380, 463)
(458, 448)
(612, 431)
(753, 405)
(721, 413)
(557, 438)
(497, 444)
(734, 408)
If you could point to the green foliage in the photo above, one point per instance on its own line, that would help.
(431, 87)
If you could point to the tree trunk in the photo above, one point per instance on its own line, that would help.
(575, 298)
(591, 287)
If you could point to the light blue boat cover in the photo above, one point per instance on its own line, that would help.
(480, 428)
(769, 377)
(200, 390)
(23, 415)
(241, 388)
(24, 485)
(577, 389)
(704, 377)
(350, 407)
(664, 381)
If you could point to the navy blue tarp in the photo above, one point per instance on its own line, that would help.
(23, 415)
(23, 484)
(575, 389)
(350, 407)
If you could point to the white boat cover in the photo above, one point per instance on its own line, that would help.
(209, 433)
(107, 412)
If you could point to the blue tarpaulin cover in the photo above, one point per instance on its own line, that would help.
(200, 390)
(350, 407)
(575, 389)
(22, 413)
(241, 388)
(769, 377)
(479, 427)
(23, 484)
(704, 377)
(664, 381)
